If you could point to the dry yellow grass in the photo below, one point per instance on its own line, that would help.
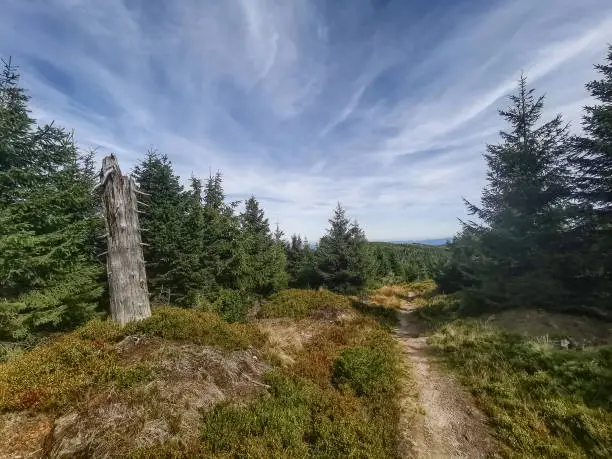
(397, 296)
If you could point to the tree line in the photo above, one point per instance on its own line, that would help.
(542, 234)
(201, 251)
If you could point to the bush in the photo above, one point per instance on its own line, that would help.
(196, 327)
(365, 370)
(300, 419)
(10, 352)
(177, 324)
(103, 330)
(233, 305)
(304, 415)
(55, 375)
(300, 303)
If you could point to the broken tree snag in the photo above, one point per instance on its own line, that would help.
(127, 279)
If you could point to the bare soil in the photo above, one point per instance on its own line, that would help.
(447, 423)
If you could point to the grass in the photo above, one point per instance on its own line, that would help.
(396, 296)
(542, 401)
(297, 303)
(337, 398)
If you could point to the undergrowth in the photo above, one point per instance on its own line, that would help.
(339, 397)
(331, 403)
(205, 328)
(300, 303)
(364, 370)
(543, 401)
(56, 375)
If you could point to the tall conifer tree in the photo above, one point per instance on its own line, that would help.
(594, 183)
(162, 221)
(341, 255)
(49, 276)
(524, 211)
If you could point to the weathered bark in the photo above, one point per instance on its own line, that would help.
(127, 279)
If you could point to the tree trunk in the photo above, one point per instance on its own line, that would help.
(127, 279)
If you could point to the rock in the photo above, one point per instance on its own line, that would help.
(62, 442)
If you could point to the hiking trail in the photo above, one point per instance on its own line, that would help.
(447, 424)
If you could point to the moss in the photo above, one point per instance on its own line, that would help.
(301, 303)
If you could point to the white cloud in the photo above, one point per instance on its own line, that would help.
(303, 103)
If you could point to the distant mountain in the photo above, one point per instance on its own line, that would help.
(425, 241)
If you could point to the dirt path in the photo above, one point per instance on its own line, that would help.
(448, 425)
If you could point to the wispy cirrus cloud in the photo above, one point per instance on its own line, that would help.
(384, 106)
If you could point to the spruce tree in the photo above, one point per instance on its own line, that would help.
(341, 255)
(264, 258)
(162, 221)
(517, 245)
(593, 160)
(49, 276)
(193, 269)
(222, 251)
(295, 259)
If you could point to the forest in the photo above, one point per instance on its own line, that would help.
(539, 239)
(201, 251)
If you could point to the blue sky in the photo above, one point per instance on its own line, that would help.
(385, 106)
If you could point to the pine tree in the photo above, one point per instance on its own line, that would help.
(593, 160)
(194, 272)
(278, 237)
(295, 258)
(49, 276)
(524, 212)
(214, 196)
(341, 255)
(222, 251)
(162, 221)
(265, 259)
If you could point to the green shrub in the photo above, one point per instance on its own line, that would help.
(125, 377)
(304, 415)
(54, 375)
(300, 303)
(365, 370)
(299, 419)
(9, 352)
(197, 327)
(103, 330)
(233, 305)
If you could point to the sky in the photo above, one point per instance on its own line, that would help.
(384, 106)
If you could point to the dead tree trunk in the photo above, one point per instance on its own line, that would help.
(127, 279)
